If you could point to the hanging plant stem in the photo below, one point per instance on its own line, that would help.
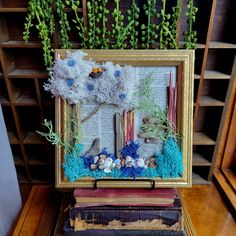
(167, 32)
(190, 35)
(133, 15)
(41, 11)
(92, 7)
(149, 31)
(174, 25)
(83, 32)
(103, 34)
(64, 24)
(120, 33)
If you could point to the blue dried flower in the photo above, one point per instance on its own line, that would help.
(71, 62)
(70, 82)
(90, 87)
(117, 74)
(88, 161)
(130, 149)
(122, 96)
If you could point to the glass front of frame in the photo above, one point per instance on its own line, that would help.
(135, 123)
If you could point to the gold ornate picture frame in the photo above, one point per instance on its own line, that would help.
(183, 60)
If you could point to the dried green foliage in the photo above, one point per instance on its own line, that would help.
(119, 31)
(133, 15)
(190, 35)
(58, 140)
(149, 34)
(41, 12)
(160, 127)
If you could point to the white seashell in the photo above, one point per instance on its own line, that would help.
(117, 161)
(128, 159)
(93, 167)
(103, 156)
(140, 162)
(107, 170)
(113, 165)
(101, 162)
(95, 159)
(128, 165)
(101, 167)
(107, 162)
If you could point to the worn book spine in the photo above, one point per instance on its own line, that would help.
(135, 218)
(68, 231)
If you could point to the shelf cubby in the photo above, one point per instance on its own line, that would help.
(208, 124)
(38, 155)
(202, 155)
(200, 174)
(17, 155)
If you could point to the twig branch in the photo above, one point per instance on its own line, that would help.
(92, 113)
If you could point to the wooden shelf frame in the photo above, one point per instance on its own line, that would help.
(208, 40)
(215, 40)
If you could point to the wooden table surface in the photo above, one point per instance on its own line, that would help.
(208, 212)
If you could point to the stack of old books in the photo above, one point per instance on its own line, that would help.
(125, 212)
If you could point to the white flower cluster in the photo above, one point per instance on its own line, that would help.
(78, 80)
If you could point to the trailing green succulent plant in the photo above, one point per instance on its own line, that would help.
(64, 24)
(41, 12)
(103, 33)
(93, 30)
(149, 34)
(168, 27)
(133, 15)
(119, 31)
(79, 21)
(190, 35)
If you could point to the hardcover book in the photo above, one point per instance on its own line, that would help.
(127, 218)
(124, 197)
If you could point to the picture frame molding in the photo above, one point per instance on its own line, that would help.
(184, 61)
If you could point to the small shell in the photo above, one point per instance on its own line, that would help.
(93, 167)
(101, 167)
(101, 162)
(107, 162)
(128, 165)
(117, 161)
(122, 162)
(95, 160)
(140, 162)
(113, 165)
(103, 156)
(128, 159)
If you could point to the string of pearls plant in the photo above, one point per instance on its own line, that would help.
(159, 27)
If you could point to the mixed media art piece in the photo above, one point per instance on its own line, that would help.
(122, 115)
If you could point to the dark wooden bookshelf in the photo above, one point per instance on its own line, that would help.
(26, 105)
